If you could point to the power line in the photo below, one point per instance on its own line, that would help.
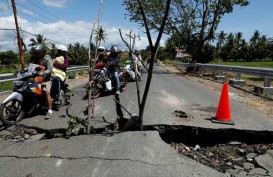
(5, 7)
(50, 19)
(45, 37)
(52, 14)
(65, 29)
(25, 14)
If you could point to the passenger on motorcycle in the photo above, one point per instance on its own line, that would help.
(60, 64)
(101, 62)
(113, 59)
(40, 58)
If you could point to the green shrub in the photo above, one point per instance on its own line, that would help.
(71, 75)
(6, 85)
(81, 72)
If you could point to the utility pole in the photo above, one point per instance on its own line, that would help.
(18, 36)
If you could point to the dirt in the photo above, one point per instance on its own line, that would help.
(223, 157)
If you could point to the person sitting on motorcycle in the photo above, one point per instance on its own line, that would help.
(41, 58)
(101, 62)
(60, 64)
(61, 52)
(113, 59)
(137, 64)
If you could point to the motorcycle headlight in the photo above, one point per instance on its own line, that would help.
(17, 83)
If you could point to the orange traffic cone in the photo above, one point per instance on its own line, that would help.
(223, 111)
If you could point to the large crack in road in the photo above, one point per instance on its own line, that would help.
(225, 150)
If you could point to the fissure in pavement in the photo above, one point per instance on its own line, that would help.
(225, 150)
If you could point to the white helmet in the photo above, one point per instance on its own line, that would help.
(114, 49)
(62, 48)
(101, 49)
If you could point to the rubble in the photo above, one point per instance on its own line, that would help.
(234, 158)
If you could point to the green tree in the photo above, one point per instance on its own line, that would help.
(193, 21)
(244, 51)
(100, 35)
(237, 45)
(38, 40)
(221, 40)
(227, 52)
(53, 50)
(78, 54)
(8, 58)
(253, 42)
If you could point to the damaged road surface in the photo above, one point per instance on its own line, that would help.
(124, 154)
(179, 138)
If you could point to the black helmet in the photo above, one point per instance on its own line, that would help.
(39, 48)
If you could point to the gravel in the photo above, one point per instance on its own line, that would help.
(226, 158)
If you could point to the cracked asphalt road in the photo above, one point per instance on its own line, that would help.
(124, 154)
(128, 153)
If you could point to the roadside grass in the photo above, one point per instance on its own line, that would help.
(8, 85)
(264, 64)
(168, 62)
(9, 69)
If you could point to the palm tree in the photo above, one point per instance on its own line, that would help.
(53, 50)
(221, 39)
(39, 40)
(255, 38)
(237, 45)
(244, 51)
(238, 38)
(78, 53)
(100, 35)
(227, 51)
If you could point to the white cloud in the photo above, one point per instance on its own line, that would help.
(64, 32)
(55, 3)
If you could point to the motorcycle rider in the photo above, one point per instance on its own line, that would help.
(60, 64)
(100, 61)
(113, 67)
(41, 58)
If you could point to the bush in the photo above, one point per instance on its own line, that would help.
(71, 75)
(8, 58)
(81, 72)
(6, 85)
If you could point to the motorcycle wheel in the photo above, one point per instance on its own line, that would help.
(11, 112)
(95, 91)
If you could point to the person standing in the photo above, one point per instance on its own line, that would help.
(138, 64)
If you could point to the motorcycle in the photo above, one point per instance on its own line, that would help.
(28, 95)
(128, 71)
(103, 81)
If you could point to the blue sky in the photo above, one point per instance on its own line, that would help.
(70, 21)
(257, 15)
